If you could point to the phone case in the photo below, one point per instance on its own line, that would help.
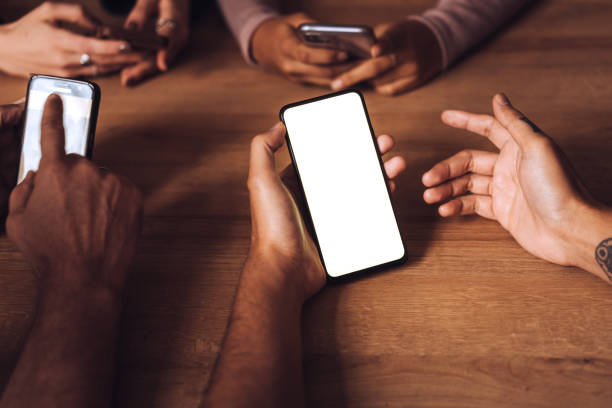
(308, 217)
(354, 39)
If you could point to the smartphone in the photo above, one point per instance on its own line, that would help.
(81, 100)
(341, 174)
(354, 39)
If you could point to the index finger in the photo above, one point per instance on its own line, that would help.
(310, 55)
(52, 139)
(484, 125)
(369, 69)
(263, 147)
(80, 44)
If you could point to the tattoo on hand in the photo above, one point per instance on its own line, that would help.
(533, 126)
(603, 255)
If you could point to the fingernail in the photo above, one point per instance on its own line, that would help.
(337, 84)
(342, 56)
(125, 47)
(375, 52)
(502, 99)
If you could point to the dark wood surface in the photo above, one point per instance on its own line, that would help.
(471, 320)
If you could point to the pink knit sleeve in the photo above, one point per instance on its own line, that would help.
(461, 24)
(243, 17)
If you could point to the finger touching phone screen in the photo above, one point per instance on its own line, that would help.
(80, 106)
(334, 151)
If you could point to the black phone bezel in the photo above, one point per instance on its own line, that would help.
(93, 120)
(360, 272)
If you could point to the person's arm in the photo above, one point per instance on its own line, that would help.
(77, 226)
(244, 17)
(411, 51)
(260, 363)
(270, 41)
(459, 25)
(529, 187)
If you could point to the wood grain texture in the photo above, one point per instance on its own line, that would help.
(471, 320)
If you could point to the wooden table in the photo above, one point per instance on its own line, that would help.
(471, 320)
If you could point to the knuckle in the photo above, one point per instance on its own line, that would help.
(285, 66)
(303, 55)
(47, 6)
(540, 143)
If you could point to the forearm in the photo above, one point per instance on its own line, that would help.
(69, 357)
(461, 24)
(244, 18)
(593, 251)
(260, 363)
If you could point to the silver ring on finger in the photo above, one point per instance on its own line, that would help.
(165, 22)
(85, 59)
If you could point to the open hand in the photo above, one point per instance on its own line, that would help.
(529, 187)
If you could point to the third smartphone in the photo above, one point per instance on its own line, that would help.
(341, 173)
(80, 101)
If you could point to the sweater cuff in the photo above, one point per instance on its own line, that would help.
(248, 30)
(439, 37)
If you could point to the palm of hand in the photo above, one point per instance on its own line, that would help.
(532, 199)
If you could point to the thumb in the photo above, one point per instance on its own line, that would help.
(263, 147)
(384, 41)
(522, 130)
(21, 193)
(52, 139)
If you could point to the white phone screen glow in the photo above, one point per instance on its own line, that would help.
(76, 126)
(344, 185)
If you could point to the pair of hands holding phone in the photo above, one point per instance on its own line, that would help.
(37, 44)
(405, 56)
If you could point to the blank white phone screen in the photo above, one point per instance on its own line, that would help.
(344, 184)
(76, 124)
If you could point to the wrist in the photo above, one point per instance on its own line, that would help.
(71, 302)
(273, 277)
(594, 226)
(65, 280)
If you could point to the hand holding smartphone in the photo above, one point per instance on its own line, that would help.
(81, 100)
(355, 226)
(356, 40)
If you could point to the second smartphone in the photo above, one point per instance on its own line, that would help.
(354, 39)
(80, 99)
